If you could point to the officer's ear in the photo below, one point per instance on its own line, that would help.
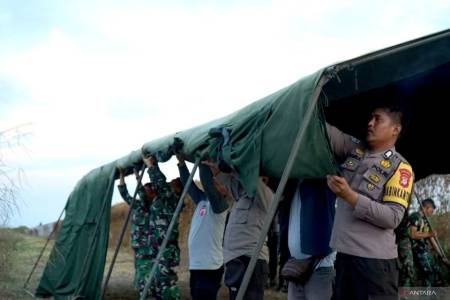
(397, 129)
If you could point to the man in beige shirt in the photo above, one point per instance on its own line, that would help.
(373, 193)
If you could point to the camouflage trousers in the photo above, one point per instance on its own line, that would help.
(429, 272)
(142, 265)
(164, 283)
(407, 272)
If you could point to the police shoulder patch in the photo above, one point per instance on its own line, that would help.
(399, 187)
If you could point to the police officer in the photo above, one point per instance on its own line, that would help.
(139, 228)
(373, 192)
(428, 272)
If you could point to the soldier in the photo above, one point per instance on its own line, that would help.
(420, 231)
(407, 274)
(161, 212)
(139, 228)
(373, 193)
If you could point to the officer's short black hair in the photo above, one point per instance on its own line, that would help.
(394, 112)
(428, 201)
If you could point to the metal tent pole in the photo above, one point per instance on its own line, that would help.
(91, 246)
(122, 232)
(43, 250)
(162, 248)
(280, 189)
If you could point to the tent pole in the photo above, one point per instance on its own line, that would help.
(29, 293)
(122, 232)
(97, 226)
(162, 248)
(43, 249)
(284, 177)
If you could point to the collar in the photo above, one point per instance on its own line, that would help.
(387, 153)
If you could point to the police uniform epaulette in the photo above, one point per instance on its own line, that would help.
(402, 159)
(356, 141)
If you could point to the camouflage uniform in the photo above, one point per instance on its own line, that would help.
(161, 212)
(427, 268)
(407, 272)
(139, 235)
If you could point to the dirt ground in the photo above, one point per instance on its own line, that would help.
(121, 282)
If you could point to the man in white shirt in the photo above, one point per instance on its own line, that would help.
(205, 235)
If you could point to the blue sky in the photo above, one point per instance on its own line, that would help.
(97, 79)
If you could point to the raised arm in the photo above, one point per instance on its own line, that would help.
(123, 189)
(341, 143)
(196, 194)
(217, 200)
(162, 188)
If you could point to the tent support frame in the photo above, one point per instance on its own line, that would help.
(280, 189)
(162, 248)
(122, 232)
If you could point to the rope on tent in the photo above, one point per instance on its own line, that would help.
(122, 232)
(169, 230)
(91, 246)
(284, 177)
(42, 252)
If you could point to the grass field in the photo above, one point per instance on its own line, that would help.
(25, 250)
(120, 286)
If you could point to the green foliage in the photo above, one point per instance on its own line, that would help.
(21, 229)
(441, 224)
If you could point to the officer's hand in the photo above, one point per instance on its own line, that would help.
(121, 177)
(214, 168)
(180, 159)
(149, 161)
(340, 187)
(220, 188)
(136, 173)
(432, 233)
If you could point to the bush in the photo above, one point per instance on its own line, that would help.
(441, 224)
(21, 229)
(8, 244)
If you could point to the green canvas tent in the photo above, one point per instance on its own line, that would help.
(259, 138)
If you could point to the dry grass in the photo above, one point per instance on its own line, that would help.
(19, 266)
(27, 249)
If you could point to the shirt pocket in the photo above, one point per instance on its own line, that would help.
(371, 185)
(242, 210)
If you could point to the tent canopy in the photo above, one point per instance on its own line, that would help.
(258, 138)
